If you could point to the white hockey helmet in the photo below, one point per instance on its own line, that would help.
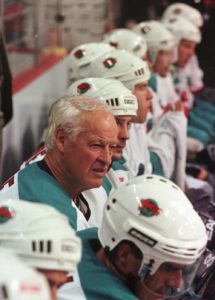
(82, 56)
(39, 234)
(158, 38)
(19, 282)
(120, 100)
(184, 10)
(182, 29)
(121, 65)
(154, 214)
(126, 39)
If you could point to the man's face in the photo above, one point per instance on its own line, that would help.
(144, 99)
(123, 123)
(163, 61)
(186, 50)
(169, 276)
(87, 159)
(55, 280)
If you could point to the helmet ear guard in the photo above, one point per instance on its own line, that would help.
(120, 100)
(39, 234)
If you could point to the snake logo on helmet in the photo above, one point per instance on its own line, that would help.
(80, 53)
(149, 208)
(145, 29)
(83, 88)
(6, 213)
(109, 62)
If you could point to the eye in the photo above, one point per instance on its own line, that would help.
(119, 122)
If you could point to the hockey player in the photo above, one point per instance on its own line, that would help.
(161, 159)
(73, 161)
(161, 44)
(42, 237)
(108, 91)
(121, 101)
(148, 246)
(187, 36)
(19, 282)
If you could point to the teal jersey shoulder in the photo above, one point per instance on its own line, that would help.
(156, 164)
(119, 164)
(97, 281)
(107, 185)
(37, 185)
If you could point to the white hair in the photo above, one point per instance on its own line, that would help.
(69, 113)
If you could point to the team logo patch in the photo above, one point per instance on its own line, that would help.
(109, 62)
(83, 87)
(145, 29)
(149, 208)
(79, 53)
(177, 11)
(6, 213)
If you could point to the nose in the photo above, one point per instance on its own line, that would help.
(123, 133)
(106, 155)
(175, 279)
(149, 94)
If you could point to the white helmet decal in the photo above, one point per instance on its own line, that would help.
(109, 62)
(149, 207)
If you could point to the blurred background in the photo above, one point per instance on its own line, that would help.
(34, 29)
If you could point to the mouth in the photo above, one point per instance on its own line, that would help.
(100, 172)
(120, 147)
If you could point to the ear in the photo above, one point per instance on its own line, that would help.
(60, 138)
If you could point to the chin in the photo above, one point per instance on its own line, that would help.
(96, 183)
(117, 156)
